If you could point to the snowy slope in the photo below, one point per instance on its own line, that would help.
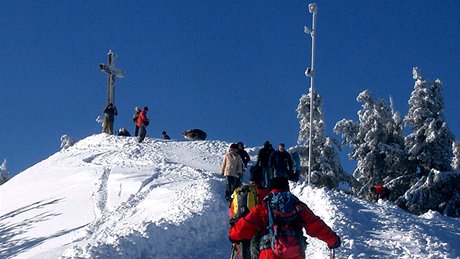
(111, 197)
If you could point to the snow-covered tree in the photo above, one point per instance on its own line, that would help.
(377, 145)
(456, 150)
(4, 174)
(430, 142)
(326, 168)
(430, 146)
(66, 142)
(437, 191)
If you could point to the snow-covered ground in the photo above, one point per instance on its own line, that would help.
(111, 197)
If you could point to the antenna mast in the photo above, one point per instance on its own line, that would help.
(310, 72)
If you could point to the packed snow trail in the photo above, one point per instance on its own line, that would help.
(111, 197)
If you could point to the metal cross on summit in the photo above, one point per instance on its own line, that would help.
(112, 74)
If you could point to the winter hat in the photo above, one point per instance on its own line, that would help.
(146, 108)
(234, 146)
(267, 144)
(279, 183)
(137, 109)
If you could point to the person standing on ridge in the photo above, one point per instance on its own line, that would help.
(142, 122)
(165, 135)
(137, 110)
(109, 117)
(232, 169)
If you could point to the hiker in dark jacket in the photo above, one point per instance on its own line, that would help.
(123, 132)
(137, 110)
(281, 162)
(263, 157)
(165, 135)
(257, 219)
(243, 154)
(263, 161)
(109, 117)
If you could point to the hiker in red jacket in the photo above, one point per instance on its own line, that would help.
(380, 192)
(258, 220)
(142, 122)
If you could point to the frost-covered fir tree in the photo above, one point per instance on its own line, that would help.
(377, 145)
(456, 150)
(437, 191)
(430, 140)
(400, 171)
(326, 168)
(4, 174)
(430, 146)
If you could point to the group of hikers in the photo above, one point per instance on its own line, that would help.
(140, 123)
(270, 163)
(139, 118)
(266, 219)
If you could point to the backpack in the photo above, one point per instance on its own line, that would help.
(244, 198)
(285, 224)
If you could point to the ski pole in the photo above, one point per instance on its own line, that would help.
(332, 254)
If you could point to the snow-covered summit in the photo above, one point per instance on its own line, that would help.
(111, 197)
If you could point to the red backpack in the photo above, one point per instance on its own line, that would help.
(285, 236)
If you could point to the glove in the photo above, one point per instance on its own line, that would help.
(336, 244)
(232, 221)
(242, 212)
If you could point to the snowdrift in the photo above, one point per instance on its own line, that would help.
(111, 197)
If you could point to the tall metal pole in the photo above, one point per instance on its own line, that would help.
(313, 9)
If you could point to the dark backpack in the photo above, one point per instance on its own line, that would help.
(285, 225)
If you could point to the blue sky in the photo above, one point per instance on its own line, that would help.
(232, 68)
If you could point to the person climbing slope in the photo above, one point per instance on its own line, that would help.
(232, 169)
(280, 220)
